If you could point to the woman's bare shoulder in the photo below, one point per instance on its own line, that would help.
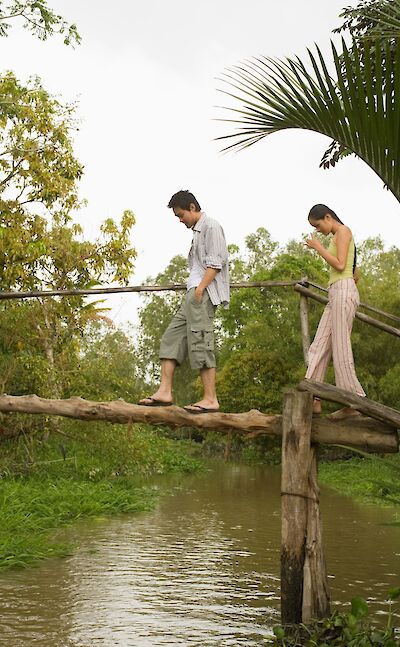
(344, 232)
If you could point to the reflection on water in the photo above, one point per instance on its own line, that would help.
(203, 569)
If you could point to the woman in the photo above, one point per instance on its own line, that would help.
(333, 335)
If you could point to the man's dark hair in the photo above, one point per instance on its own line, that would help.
(183, 200)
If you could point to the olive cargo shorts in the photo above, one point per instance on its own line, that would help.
(191, 333)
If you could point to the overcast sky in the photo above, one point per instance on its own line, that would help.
(145, 78)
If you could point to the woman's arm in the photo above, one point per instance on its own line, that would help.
(343, 238)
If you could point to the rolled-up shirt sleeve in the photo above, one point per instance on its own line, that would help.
(215, 247)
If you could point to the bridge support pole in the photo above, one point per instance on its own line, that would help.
(305, 328)
(304, 592)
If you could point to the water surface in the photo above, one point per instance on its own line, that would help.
(202, 569)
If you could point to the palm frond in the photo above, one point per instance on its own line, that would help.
(358, 108)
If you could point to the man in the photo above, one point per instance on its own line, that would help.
(191, 330)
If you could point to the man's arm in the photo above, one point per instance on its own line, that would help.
(208, 278)
(215, 259)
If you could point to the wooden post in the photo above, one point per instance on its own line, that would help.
(315, 583)
(305, 329)
(304, 591)
(296, 457)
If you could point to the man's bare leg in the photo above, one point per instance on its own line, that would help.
(209, 400)
(164, 391)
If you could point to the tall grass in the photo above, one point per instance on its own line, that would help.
(84, 471)
(367, 477)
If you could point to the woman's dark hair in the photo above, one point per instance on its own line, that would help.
(183, 200)
(319, 211)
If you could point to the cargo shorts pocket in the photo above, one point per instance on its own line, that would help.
(201, 340)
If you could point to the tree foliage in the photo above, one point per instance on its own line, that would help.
(38, 18)
(371, 19)
(108, 367)
(41, 246)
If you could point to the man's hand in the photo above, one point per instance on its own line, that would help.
(198, 293)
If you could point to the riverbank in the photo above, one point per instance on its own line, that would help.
(368, 479)
(82, 471)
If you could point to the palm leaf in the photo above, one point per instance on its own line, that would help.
(356, 109)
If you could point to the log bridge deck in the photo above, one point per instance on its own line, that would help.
(375, 431)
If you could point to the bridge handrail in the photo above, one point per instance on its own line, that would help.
(300, 285)
(383, 313)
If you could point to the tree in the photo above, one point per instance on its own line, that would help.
(359, 109)
(41, 247)
(370, 19)
(39, 177)
(38, 18)
(108, 368)
(45, 334)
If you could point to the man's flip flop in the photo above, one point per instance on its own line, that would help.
(154, 403)
(198, 409)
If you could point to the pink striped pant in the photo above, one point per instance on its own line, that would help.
(332, 338)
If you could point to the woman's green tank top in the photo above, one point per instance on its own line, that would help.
(347, 273)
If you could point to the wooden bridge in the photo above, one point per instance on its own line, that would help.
(304, 590)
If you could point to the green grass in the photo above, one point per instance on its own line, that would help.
(367, 479)
(89, 471)
(30, 511)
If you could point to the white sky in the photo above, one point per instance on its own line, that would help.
(145, 77)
